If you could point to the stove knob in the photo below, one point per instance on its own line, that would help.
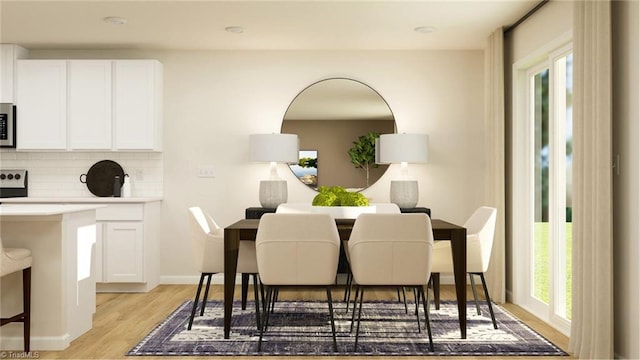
(18, 176)
(3, 176)
(10, 176)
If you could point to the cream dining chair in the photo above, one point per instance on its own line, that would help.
(480, 233)
(392, 250)
(12, 260)
(299, 250)
(208, 250)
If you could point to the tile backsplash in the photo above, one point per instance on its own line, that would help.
(57, 174)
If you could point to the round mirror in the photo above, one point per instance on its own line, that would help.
(329, 117)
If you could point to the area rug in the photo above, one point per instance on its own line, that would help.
(302, 328)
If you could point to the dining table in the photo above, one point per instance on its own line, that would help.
(246, 229)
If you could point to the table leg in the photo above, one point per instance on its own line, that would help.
(245, 290)
(231, 247)
(459, 255)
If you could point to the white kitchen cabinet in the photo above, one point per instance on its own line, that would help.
(127, 250)
(89, 105)
(138, 104)
(89, 115)
(123, 259)
(42, 97)
(9, 53)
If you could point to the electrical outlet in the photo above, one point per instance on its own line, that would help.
(138, 175)
(206, 171)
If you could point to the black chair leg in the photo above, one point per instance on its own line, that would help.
(256, 300)
(416, 298)
(245, 290)
(486, 295)
(195, 301)
(355, 347)
(475, 293)
(265, 320)
(206, 294)
(425, 298)
(333, 325)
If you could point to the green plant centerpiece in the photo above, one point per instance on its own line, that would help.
(338, 196)
(363, 153)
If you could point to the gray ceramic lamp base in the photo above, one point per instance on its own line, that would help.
(404, 193)
(273, 193)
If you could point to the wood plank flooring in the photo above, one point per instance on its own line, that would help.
(122, 320)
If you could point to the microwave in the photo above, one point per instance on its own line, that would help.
(7, 125)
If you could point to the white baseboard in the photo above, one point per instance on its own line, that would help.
(12, 346)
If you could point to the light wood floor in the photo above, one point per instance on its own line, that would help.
(122, 320)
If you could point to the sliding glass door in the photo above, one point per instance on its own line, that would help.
(542, 189)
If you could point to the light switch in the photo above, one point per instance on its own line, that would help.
(206, 171)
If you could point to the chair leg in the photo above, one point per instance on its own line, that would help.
(475, 292)
(355, 347)
(26, 307)
(265, 320)
(355, 302)
(333, 325)
(427, 325)
(404, 298)
(486, 295)
(416, 299)
(206, 294)
(195, 301)
(256, 300)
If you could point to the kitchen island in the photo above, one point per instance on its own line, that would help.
(61, 239)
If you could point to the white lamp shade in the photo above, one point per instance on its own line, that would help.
(281, 148)
(399, 148)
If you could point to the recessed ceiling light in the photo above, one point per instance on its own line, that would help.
(234, 29)
(424, 29)
(115, 20)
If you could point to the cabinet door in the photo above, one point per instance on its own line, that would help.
(89, 113)
(42, 110)
(9, 53)
(123, 252)
(136, 104)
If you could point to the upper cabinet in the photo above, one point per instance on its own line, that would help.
(9, 53)
(42, 105)
(138, 104)
(107, 105)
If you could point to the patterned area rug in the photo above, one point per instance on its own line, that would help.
(303, 328)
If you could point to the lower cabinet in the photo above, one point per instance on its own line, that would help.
(126, 256)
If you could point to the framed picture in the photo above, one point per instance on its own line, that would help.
(306, 170)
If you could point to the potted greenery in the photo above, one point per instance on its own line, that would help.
(363, 153)
(340, 203)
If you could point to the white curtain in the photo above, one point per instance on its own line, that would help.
(592, 289)
(495, 157)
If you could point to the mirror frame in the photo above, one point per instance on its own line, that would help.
(352, 178)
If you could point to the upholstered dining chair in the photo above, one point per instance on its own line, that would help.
(12, 260)
(381, 208)
(392, 250)
(298, 250)
(480, 233)
(208, 250)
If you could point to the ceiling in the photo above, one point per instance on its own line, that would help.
(268, 25)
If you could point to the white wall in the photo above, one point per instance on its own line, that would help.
(626, 135)
(213, 100)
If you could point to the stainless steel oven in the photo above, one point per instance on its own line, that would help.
(14, 183)
(7, 125)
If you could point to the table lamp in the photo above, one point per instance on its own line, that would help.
(273, 148)
(403, 149)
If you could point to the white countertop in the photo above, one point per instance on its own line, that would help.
(43, 209)
(78, 200)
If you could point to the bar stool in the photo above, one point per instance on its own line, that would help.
(12, 260)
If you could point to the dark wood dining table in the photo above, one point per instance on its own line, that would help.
(246, 229)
